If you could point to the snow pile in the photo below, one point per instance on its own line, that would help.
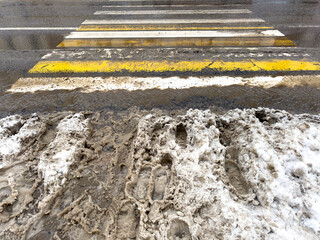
(62, 151)
(16, 134)
(248, 174)
(35, 153)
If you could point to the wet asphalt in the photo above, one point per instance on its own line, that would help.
(20, 49)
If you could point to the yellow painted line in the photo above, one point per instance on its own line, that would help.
(167, 66)
(179, 42)
(160, 27)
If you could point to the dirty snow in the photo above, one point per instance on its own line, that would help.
(61, 152)
(244, 174)
(16, 132)
(248, 174)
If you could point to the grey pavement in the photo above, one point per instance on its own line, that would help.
(31, 29)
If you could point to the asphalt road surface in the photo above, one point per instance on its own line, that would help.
(93, 55)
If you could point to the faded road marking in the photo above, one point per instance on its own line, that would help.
(37, 28)
(166, 12)
(174, 34)
(182, 42)
(172, 66)
(167, 6)
(162, 27)
(91, 84)
(174, 21)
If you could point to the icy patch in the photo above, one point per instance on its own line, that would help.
(16, 133)
(248, 174)
(62, 151)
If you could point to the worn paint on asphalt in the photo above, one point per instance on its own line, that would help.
(165, 12)
(174, 21)
(163, 27)
(182, 42)
(171, 66)
(174, 34)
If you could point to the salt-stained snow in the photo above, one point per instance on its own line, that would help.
(248, 174)
(245, 174)
(15, 134)
(61, 152)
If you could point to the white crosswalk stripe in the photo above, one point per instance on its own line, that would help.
(167, 6)
(168, 12)
(173, 34)
(173, 21)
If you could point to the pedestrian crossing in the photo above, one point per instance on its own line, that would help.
(120, 25)
(190, 26)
